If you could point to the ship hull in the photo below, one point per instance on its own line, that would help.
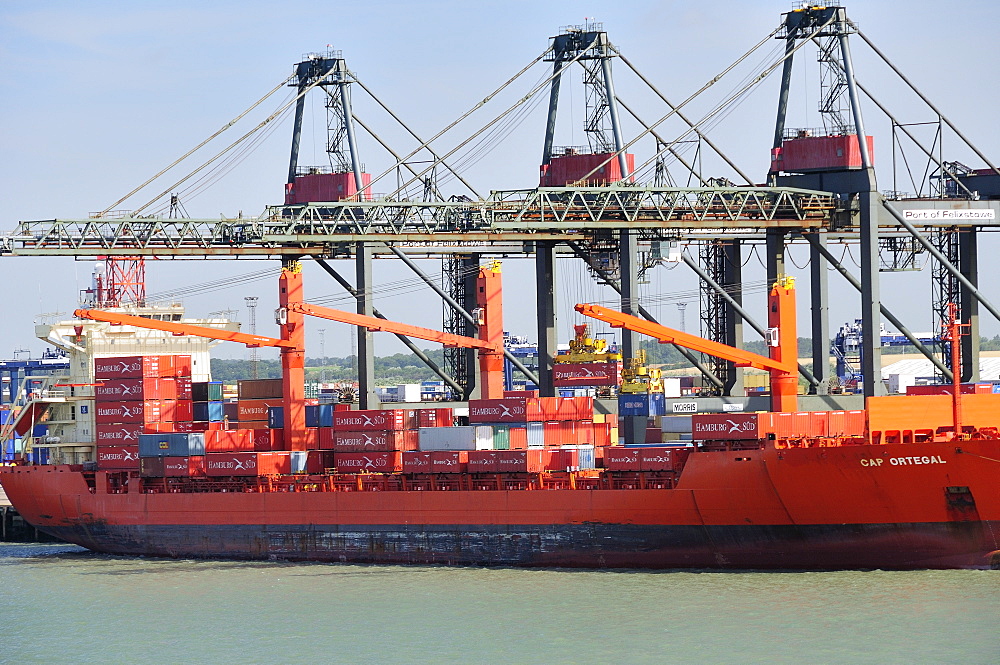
(814, 547)
(887, 506)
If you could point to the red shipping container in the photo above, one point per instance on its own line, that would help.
(569, 375)
(115, 458)
(247, 464)
(230, 411)
(575, 408)
(132, 390)
(183, 411)
(183, 466)
(371, 420)
(518, 437)
(325, 438)
(318, 461)
(729, 426)
(268, 439)
(123, 434)
(435, 417)
(151, 467)
(254, 409)
(350, 442)
(258, 389)
(416, 461)
(224, 441)
(183, 387)
(186, 426)
(819, 423)
(619, 458)
(656, 458)
(847, 423)
(449, 461)
(520, 461)
(127, 412)
(385, 462)
(137, 367)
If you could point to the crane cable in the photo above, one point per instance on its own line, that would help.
(197, 147)
(264, 122)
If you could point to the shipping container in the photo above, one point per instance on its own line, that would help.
(347, 442)
(127, 412)
(449, 461)
(172, 444)
(847, 423)
(416, 461)
(258, 389)
(586, 374)
(619, 458)
(247, 464)
(138, 367)
(949, 389)
(676, 423)
(114, 458)
(207, 412)
(473, 437)
(134, 390)
(319, 415)
(641, 404)
(529, 409)
(119, 433)
(268, 439)
(435, 417)
(729, 426)
(374, 420)
(248, 410)
(384, 462)
(521, 461)
(224, 441)
(206, 391)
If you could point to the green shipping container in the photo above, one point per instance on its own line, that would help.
(501, 437)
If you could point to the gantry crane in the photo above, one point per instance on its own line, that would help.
(782, 339)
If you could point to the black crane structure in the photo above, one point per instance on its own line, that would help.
(597, 204)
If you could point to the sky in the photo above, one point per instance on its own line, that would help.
(99, 96)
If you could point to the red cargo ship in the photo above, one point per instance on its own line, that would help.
(934, 504)
(909, 483)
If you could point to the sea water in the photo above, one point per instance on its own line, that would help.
(62, 604)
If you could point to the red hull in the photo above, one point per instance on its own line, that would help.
(931, 505)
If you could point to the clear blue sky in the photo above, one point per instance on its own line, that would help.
(100, 95)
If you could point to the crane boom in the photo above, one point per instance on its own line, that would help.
(665, 335)
(383, 325)
(117, 318)
(782, 365)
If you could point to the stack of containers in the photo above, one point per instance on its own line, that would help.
(521, 423)
(135, 394)
(370, 440)
(166, 454)
(207, 403)
(254, 400)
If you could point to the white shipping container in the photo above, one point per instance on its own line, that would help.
(475, 437)
(408, 392)
(536, 435)
(671, 387)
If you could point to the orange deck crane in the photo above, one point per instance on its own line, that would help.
(782, 340)
(291, 319)
(489, 343)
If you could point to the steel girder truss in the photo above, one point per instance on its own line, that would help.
(311, 227)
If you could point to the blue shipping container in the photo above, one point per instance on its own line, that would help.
(320, 415)
(172, 444)
(39, 430)
(642, 404)
(276, 417)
